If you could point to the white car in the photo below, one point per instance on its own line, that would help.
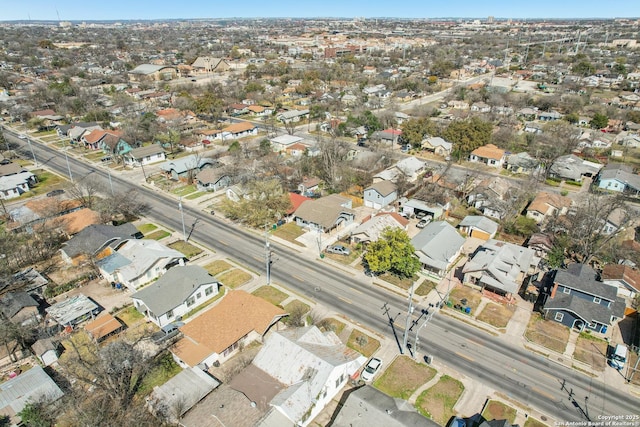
(22, 136)
(423, 222)
(371, 369)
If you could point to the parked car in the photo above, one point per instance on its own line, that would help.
(423, 222)
(421, 214)
(338, 249)
(54, 193)
(22, 136)
(371, 369)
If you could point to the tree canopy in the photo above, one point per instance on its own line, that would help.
(392, 252)
(468, 135)
(415, 130)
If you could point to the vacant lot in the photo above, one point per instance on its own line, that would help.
(362, 343)
(547, 333)
(438, 401)
(499, 411)
(217, 267)
(496, 315)
(532, 422)
(271, 294)
(234, 278)
(472, 296)
(186, 248)
(591, 350)
(403, 377)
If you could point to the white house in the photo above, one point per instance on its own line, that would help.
(175, 293)
(12, 186)
(282, 142)
(488, 154)
(145, 155)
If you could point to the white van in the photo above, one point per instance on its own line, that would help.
(618, 357)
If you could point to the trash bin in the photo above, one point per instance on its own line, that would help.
(321, 256)
(449, 304)
(467, 310)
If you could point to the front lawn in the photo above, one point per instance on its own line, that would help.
(404, 283)
(472, 296)
(425, 287)
(271, 294)
(362, 343)
(592, 351)
(403, 377)
(217, 267)
(547, 333)
(184, 190)
(187, 249)
(499, 411)
(438, 401)
(331, 324)
(146, 228)
(234, 278)
(532, 422)
(496, 315)
(157, 235)
(289, 232)
(195, 195)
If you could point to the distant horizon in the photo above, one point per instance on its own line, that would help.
(164, 10)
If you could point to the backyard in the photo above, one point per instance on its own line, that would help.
(403, 377)
(437, 402)
(547, 333)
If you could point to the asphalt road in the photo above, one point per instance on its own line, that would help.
(506, 367)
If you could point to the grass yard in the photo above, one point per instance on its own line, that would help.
(532, 422)
(404, 283)
(129, 316)
(186, 248)
(425, 287)
(271, 294)
(164, 369)
(146, 228)
(289, 232)
(438, 401)
(472, 296)
(403, 377)
(297, 305)
(499, 411)
(157, 235)
(592, 351)
(46, 182)
(184, 190)
(234, 278)
(195, 195)
(362, 343)
(496, 315)
(547, 333)
(217, 267)
(330, 324)
(94, 156)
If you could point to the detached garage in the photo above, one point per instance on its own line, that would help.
(478, 226)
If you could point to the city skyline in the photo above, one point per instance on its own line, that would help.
(74, 10)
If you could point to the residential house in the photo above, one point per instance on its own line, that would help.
(239, 130)
(500, 267)
(372, 228)
(63, 130)
(217, 334)
(490, 196)
(541, 243)
(577, 299)
(151, 72)
(19, 308)
(527, 113)
(46, 351)
(619, 178)
(296, 200)
(488, 154)
(325, 214)
(76, 133)
(183, 167)
(8, 168)
(138, 262)
(522, 163)
(533, 127)
(368, 406)
(411, 167)
(114, 145)
(387, 136)
(458, 105)
(615, 221)
(260, 110)
(145, 155)
(312, 367)
(73, 310)
(37, 211)
(175, 293)
(549, 116)
(437, 145)
(478, 226)
(292, 116)
(283, 142)
(94, 140)
(12, 186)
(309, 186)
(208, 64)
(572, 167)
(480, 107)
(236, 192)
(103, 327)
(96, 241)
(437, 246)
(296, 150)
(212, 179)
(625, 278)
(380, 194)
(547, 205)
(33, 385)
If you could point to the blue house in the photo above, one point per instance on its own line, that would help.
(577, 299)
(380, 194)
(619, 178)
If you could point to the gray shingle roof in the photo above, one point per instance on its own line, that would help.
(13, 302)
(480, 222)
(437, 243)
(147, 150)
(585, 309)
(583, 278)
(620, 174)
(324, 211)
(173, 288)
(185, 164)
(97, 236)
(383, 187)
(31, 385)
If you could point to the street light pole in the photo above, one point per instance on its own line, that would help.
(267, 254)
(409, 314)
(184, 233)
(32, 152)
(66, 156)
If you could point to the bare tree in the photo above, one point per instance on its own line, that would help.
(86, 191)
(558, 139)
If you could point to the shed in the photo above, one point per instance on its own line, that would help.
(103, 326)
(73, 310)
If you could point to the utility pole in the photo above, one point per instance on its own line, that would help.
(267, 254)
(110, 181)
(407, 323)
(32, 152)
(184, 234)
(66, 156)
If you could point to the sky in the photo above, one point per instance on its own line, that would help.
(86, 10)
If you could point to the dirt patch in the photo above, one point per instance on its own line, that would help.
(438, 401)
(592, 351)
(403, 377)
(532, 422)
(496, 315)
(330, 324)
(547, 333)
(499, 411)
(362, 343)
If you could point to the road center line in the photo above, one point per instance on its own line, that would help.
(345, 300)
(542, 393)
(298, 278)
(464, 356)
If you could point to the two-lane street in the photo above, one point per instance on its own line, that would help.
(505, 366)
